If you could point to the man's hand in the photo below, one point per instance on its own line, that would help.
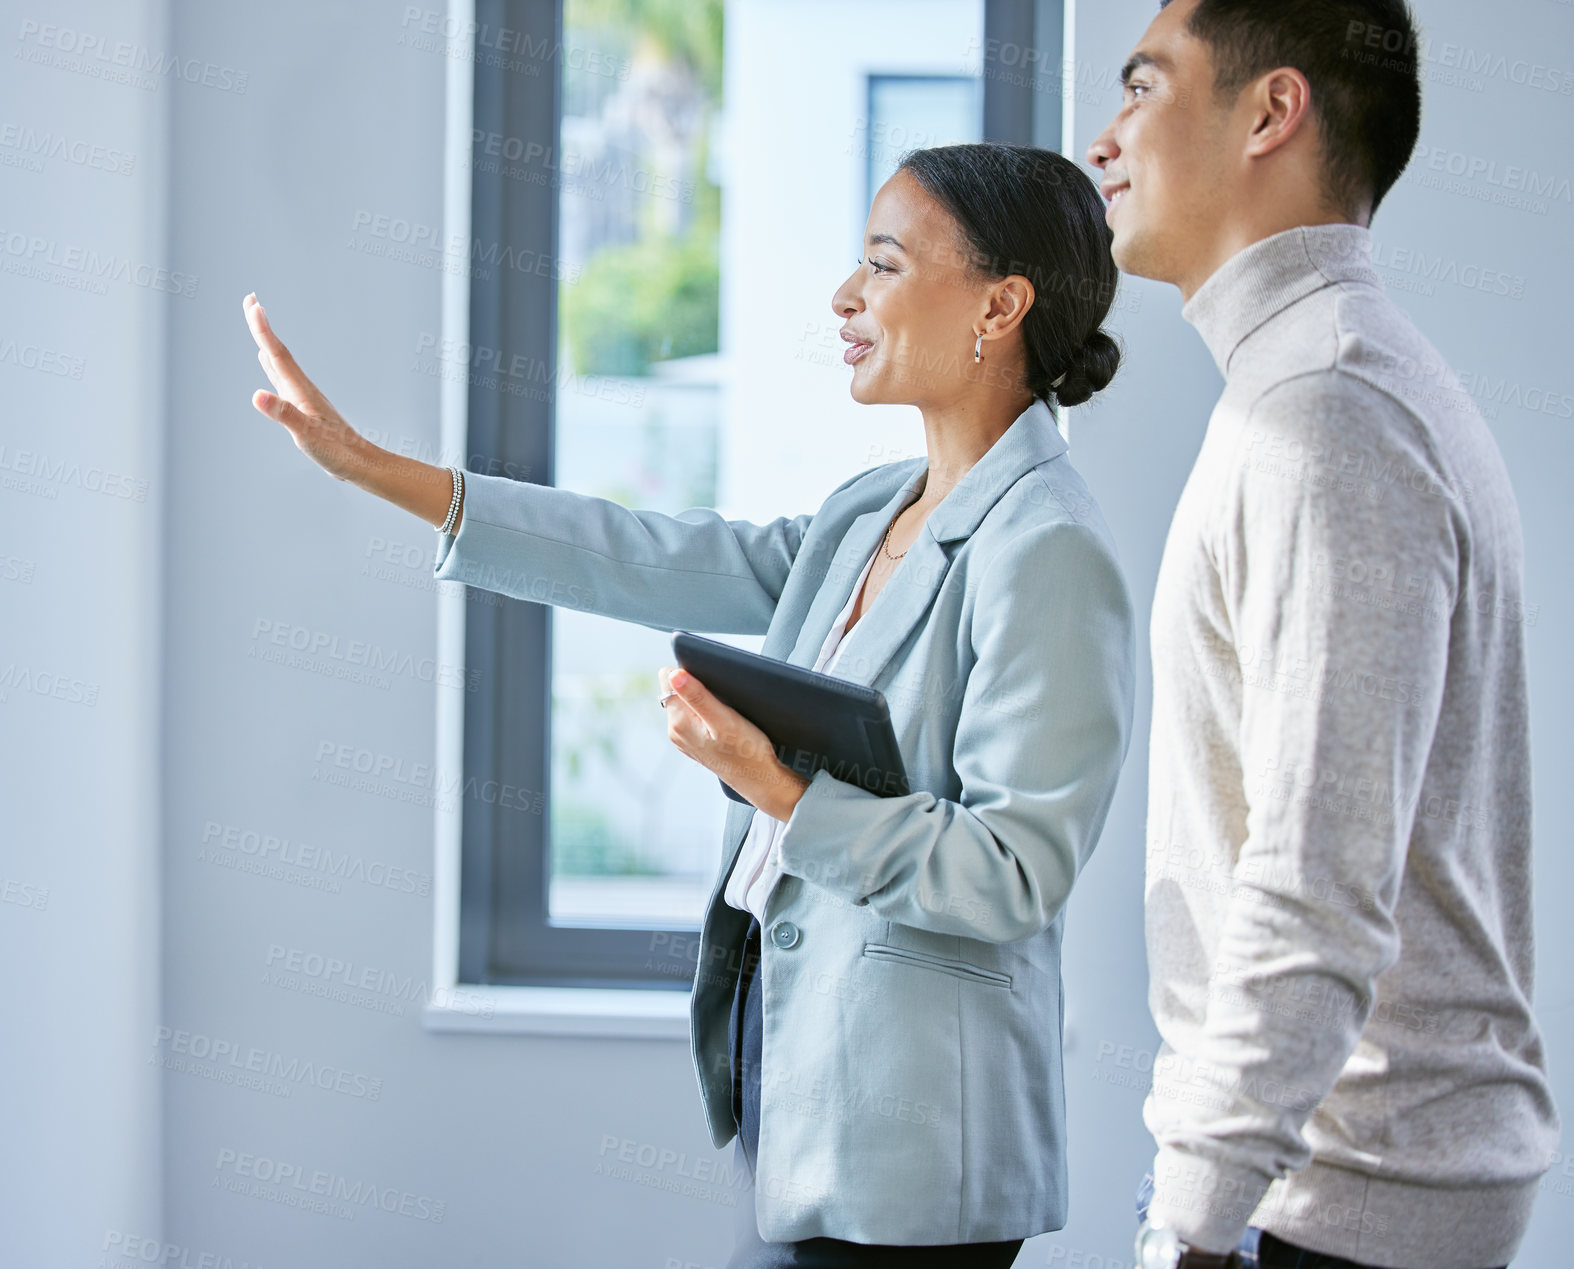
(718, 737)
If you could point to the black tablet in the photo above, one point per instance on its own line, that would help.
(815, 720)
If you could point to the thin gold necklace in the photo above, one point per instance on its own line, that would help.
(885, 542)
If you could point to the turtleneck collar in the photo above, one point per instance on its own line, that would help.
(1262, 280)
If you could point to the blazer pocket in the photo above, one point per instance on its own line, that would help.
(958, 969)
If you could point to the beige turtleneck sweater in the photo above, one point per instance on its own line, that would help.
(1339, 829)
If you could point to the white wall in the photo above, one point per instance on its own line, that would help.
(159, 602)
(506, 1133)
(82, 495)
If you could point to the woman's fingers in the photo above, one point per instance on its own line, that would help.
(278, 409)
(257, 321)
(267, 369)
(280, 366)
(290, 386)
(270, 348)
(316, 427)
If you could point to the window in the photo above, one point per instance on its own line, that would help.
(911, 112)
(649, 156)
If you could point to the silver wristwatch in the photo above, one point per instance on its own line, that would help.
(1160, 1247)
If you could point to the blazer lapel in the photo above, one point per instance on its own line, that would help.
(862, 537)
(910, 591)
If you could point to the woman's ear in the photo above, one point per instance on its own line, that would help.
(1007, 304)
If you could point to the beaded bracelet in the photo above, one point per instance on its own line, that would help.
(453, 504)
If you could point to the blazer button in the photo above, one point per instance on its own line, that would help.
(784, 934)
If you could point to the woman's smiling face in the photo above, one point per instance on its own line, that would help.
(911, 307)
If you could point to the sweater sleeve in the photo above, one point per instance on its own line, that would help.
(1339, 698)
(1043, 729)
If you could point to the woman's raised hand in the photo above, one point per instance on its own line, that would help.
(317, 428)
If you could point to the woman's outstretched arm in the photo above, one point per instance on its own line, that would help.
(695, 570)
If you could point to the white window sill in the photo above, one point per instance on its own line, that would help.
(629, 1013)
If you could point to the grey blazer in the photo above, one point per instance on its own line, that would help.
(911, 1075)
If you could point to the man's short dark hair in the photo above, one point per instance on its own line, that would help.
(1362, 60)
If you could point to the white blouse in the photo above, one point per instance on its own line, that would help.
(758, 869)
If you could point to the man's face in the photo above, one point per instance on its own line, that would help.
(1168, 173)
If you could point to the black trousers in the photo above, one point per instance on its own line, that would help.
(1275, 1253)
(746, 1033)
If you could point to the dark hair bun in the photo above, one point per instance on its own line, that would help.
(1092, 366)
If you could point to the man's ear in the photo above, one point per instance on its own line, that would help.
(1281, 104)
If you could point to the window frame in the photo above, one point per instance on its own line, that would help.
(497, 912)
